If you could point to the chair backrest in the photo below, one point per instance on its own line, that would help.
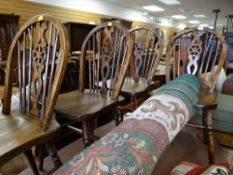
(105, 57)
(197, 52)
(148, 47)
(39, 52)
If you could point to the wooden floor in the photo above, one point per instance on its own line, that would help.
(186, 146)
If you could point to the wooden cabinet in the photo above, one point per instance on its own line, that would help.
(77, 33)
(8, 28)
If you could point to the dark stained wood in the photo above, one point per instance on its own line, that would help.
(134, 87)
(77, 30)
(105, 55)
(83, 105)
(19, 133)
(40, 76)
(8, 28)
(88, 137)
(198, 52)
(28, 153)
(208, 134)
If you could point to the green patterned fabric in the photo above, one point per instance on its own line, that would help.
(185, 87)
(135, 145)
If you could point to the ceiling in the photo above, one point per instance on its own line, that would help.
(186, 8)
(133, 10)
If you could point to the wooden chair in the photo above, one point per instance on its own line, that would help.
(201, 53)
(40, 74)
(104, 60)
(148, 46)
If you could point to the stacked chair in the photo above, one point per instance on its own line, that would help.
(148, 46)
(39, 53)
(201, 53)
(105, 57)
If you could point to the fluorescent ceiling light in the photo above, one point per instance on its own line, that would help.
(205, 25)
(193, 22)
(153, 8)
(202, 26)
(181, 26)
(92, 22)
(178, 17)
(144, 13)
(200, 16)
(186, 10)
(170, 2)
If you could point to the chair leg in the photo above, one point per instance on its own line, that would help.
(31, 161)
(205, 130)
(41, 156)
(118, 116)
(41, 163)
(52, 150)
(208, 134)
(134, 102)
(41, 153)
(88, 136)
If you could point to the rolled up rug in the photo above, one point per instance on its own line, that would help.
(134, 146)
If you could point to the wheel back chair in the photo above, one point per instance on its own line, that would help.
(201, 53)
(39, 53)
(148, 46)
(104, 60)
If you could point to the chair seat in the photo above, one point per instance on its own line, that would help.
(19, 133)
(222, 116)
(78, 105)
(133, 87)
